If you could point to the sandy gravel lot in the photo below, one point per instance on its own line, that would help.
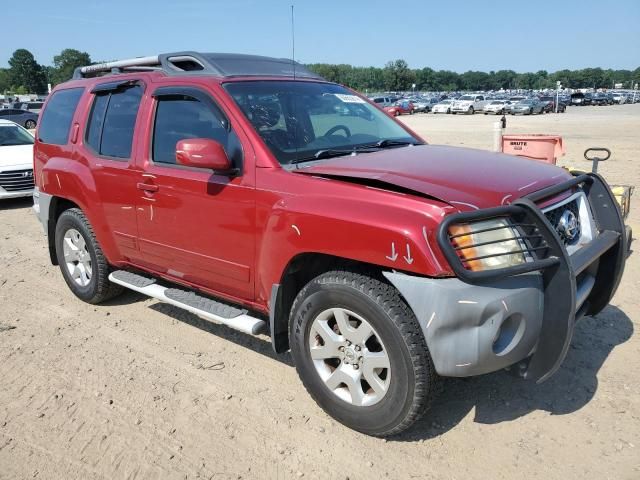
(138, 389)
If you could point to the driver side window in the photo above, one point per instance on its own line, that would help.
(180, 117)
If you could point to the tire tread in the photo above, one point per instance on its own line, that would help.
(374, 286)
(105, 289)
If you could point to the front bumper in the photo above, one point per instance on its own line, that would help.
(22, 193)
(41, 206)
(483, 321)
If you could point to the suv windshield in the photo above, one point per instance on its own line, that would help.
(14, 135)
(303, 120)
(467, 97)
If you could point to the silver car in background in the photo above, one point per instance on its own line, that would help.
(496, 107)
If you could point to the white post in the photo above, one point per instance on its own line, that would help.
(557, 94)
(497, 136)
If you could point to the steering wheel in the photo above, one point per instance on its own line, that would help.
(334, 129)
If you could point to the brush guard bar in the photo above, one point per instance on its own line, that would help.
(604, 256)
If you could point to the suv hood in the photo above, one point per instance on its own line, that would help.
(465, 178)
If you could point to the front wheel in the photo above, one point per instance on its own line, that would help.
(30, 124)
(471, 111)
(360, 352)
(83, 265)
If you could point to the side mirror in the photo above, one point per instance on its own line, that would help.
(203, 153)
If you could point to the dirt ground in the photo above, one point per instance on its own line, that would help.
(138, 389)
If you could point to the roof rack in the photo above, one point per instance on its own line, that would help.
(194, 63)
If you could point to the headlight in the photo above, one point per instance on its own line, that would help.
(488, 244)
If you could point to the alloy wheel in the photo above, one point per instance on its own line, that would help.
(349, 357)
(77, 257)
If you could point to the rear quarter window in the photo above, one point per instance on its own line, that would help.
(56, 119)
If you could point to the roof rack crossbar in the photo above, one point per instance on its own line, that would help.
(92, 70)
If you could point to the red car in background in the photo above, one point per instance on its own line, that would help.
(399, 108)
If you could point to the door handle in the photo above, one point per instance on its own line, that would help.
(147, 187)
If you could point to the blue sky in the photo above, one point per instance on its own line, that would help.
(456, 35)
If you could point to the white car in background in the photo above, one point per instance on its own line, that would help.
(496, 107)
(469, 104)
(16, 161)
(442, 107)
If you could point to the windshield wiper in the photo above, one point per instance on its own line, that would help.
(392, 143)
(341, 152)
(326, 153)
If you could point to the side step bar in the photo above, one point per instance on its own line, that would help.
(205, 307)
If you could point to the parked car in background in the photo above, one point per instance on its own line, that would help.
(619, 98)
(421, 105)
(579, 99)
(401, 107)
(444, 106)
(382, 101)
(469, 104)
(34, 107)
(496, 107)
(549, 103)
(24, 118)
(599, 98)
(16, 161)
(531, 106)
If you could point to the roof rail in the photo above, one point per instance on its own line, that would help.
(190, 63)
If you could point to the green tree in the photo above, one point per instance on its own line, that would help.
(65, 63)
(5, 81)
(398, 76)
(25, 72)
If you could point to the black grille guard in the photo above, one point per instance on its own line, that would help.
(559, 270)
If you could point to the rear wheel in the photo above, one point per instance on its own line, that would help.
(360, 352)
(30, 124)
(83, 265)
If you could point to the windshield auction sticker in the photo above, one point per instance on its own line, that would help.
(349, 98)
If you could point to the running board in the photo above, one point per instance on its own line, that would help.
(208, 308)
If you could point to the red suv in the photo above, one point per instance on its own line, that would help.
(252, 192)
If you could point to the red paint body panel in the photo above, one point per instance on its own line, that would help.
(235, 236)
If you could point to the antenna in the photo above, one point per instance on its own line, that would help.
(293, 43)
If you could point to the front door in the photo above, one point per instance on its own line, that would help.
(193, 225)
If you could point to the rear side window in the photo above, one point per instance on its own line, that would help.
(112, 121)
(56, 119)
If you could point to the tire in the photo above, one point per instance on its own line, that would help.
(471, 111)
(410, 378)
(98, 288)
(30, 124)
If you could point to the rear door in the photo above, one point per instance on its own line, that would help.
(107, 145)
(194, 225)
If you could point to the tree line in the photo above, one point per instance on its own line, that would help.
(397, 76)
(26, 75)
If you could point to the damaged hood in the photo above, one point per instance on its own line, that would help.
(465, 178)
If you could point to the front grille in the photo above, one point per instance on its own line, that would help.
(17, 180)
(565, 219)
